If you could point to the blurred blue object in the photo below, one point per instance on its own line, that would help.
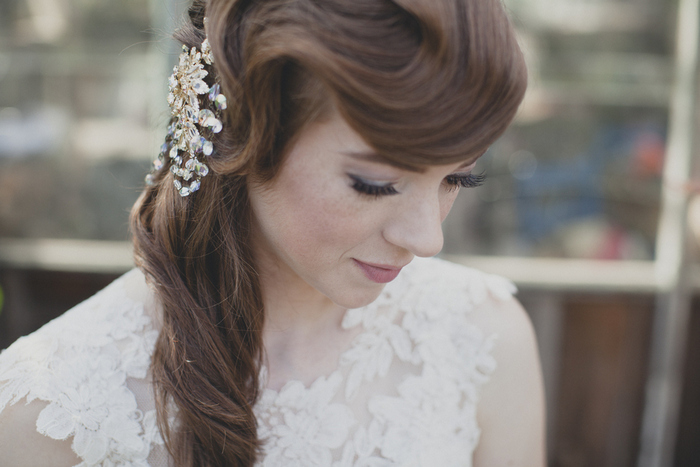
(559, 192)
(39, 131)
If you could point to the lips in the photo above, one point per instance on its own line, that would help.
(379, 273)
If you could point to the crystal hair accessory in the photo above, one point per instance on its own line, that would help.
(184, 143)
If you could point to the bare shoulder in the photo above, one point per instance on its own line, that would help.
(511, 409)
(22, 446)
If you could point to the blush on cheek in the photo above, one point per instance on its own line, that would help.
(323, 226)
(326, 208)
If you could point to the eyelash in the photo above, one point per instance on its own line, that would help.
(466, 180)
(365, 188)
(455, 181)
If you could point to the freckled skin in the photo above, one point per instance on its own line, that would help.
(310, 223)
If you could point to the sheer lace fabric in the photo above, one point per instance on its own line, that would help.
(404, 393)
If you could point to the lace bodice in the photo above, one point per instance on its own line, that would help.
(404, 392)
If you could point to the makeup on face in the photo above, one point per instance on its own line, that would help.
(340, 221)
(380, 274)
(381, 184)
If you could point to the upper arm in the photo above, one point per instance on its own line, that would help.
(511, 411)
(22, 446)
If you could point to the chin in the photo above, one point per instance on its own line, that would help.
(359, 299)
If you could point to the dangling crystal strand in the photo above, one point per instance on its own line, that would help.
(173, 169)
(157, 164)
(214, 91)
(150, 180)
(184, 191)
(194, 186)
(177, 160)
(207, 148)
(189, 165)
(201, 169)
(204, 116)
(173, 152)
(197, 144)
(177, 184)
(221, 102)
(186, 175)
(214, 124)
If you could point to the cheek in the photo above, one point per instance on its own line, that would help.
(315, 221)
(446, 202)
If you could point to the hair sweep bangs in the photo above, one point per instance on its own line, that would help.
(424, 82)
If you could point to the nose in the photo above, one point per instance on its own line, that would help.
(417, 227)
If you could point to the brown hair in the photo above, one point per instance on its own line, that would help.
(423, 81)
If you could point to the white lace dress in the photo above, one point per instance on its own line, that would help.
(403, 394)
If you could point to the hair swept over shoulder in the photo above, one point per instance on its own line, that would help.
(422, 81)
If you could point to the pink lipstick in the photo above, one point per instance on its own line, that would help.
(379, 273)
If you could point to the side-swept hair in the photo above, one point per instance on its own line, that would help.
(422, 81)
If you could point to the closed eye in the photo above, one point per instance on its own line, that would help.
(366, 188)
(469, 180)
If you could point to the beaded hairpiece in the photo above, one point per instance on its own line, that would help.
(184, 142)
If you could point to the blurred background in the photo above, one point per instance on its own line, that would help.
(590, 203)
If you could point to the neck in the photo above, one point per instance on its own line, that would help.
(292, 306)
(302, 335)
(298, 308)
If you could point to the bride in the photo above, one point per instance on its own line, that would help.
(285, 310)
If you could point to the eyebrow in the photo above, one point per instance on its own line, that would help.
(380, 159)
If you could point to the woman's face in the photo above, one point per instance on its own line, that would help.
(338, 222)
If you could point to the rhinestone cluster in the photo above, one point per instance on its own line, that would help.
(184, 143)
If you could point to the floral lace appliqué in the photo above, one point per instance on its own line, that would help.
(404, 393)
(406, 390)
(301, 425)
(79, 363)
